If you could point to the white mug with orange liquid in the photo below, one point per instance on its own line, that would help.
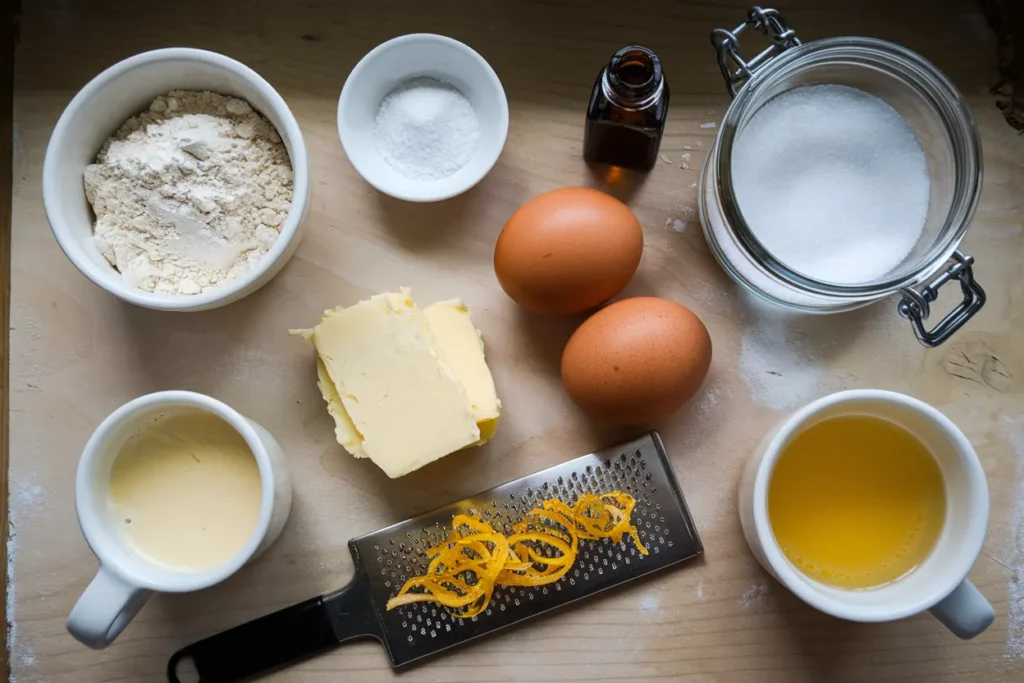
(870, 506)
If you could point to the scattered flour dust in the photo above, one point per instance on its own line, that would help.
(701, 418)
(755, 595)
(712, 502)
(680, 224)
(27, 499)
(780, 373)
(649, 603)
(700, 590)
(1015, 589)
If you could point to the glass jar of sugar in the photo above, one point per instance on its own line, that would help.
(846, 170)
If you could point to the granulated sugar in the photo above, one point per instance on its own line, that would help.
(833, 182)
(426, 129)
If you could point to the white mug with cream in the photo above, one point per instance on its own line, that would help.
(175, 492)
(937, 580)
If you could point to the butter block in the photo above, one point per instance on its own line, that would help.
(344, 430)
(401, 397)
(463, 347)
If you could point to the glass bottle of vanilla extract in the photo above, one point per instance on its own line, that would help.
(626, 116)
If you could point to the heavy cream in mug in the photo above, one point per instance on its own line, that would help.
(185, 491)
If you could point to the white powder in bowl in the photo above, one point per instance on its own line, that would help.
(190, 193)
(833, 182)
(426, 129)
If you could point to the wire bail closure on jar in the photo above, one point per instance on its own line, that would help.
(914, 305)
(727, 43)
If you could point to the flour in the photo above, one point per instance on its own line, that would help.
(190, 193)
(12, 590)
(779, 372)
(755, 595)
(675, 224)
(650, 602)
(1015, 588)
(712, 501)
(680, 224)
(27, 500)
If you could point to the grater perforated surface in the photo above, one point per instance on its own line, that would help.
(387, 558)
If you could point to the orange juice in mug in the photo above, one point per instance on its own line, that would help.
(870, 506)
(856, 501)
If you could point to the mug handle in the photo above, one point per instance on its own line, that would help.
(104, 609)
(965, 611)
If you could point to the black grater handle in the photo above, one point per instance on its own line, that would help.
(280, 638)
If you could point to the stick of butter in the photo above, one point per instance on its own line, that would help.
(404, 387)
(463, 346)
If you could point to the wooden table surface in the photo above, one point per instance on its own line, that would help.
(77, 353)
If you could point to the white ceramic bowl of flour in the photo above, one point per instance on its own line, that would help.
(421, 57)
(102, 106)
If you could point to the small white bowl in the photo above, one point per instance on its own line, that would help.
(398, 60)
(119, 93)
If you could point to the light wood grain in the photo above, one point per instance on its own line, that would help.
(7, 32)
(77, 353)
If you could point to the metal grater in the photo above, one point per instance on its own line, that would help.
(385, 559)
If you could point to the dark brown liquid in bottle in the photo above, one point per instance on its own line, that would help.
(627, 111)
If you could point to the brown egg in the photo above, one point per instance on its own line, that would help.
(636, 361)
(568, 251)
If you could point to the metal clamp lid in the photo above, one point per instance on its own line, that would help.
(915, 305)
(767, 21)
